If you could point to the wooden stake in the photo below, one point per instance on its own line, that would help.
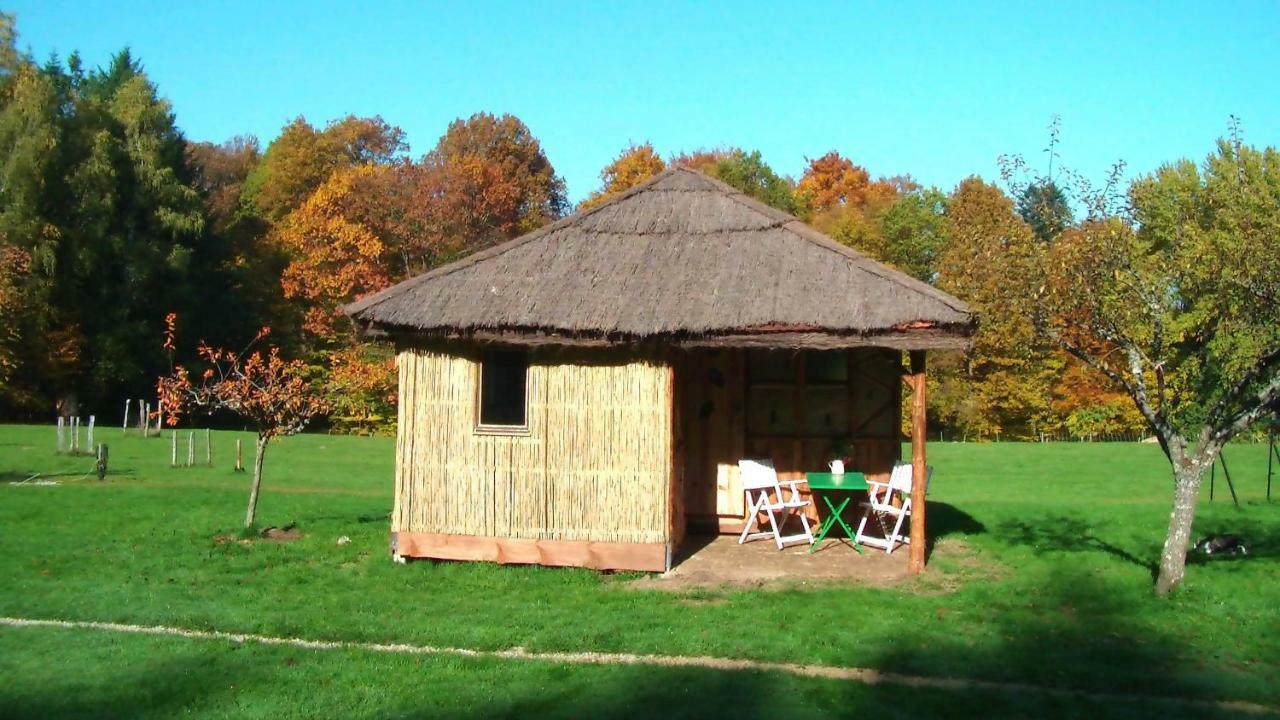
(75, 434)
(90, 439)
(61, 433)
(208, 448)
(102, 462)
(173, 449)
(915, 563)
(142, 417)
(144, 422)
(124, 426)
(239, 457)
(191, 448)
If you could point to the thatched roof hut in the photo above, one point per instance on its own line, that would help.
(638, 349)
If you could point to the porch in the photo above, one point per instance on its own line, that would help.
(800, 409)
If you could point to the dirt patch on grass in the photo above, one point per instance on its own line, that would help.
(285, 534)
(272, 534)
(720, 562)
(710, 564)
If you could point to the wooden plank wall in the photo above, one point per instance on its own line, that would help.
(594, 465)
(713, 395)
(710, 395)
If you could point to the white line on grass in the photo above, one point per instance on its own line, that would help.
(866, 676)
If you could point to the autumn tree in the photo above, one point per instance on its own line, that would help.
(1177, 302)
(833, 181)
(268, 392)
(340, 240)
(251, 265)
(14, 265)
(701, 159)
(631, 167)
(302, 157)
(991, 263)
(486, 180)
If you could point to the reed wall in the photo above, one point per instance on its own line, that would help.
(595, 464)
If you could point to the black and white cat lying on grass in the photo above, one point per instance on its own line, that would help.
(1221, 545)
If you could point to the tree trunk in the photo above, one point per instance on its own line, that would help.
(1187, 476)
(260, 450)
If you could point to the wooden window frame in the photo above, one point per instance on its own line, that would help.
(481, 428)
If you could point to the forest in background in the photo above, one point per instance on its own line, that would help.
(110, 220)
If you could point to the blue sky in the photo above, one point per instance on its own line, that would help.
(934, 90)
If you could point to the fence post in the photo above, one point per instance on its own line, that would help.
(124, 426)
(61, 434)
(90, 439)
(191, 448)
(208, 447)
(239, 457)
(102, 462)
(173, 448)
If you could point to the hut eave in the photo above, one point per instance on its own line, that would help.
(913, 336)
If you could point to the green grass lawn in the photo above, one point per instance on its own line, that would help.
(1043, 576)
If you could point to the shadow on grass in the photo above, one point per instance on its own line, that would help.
(1066, 534)
(1087, 634)
(159, 686)
(8, 476)
(1082, 637)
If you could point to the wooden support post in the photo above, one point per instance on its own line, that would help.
(89, 442)
(75, 434)
(124, 426)
(915, 562)
(142, 418)
(239, 457)
(61, 433)
(191, 448)
(208, 448)
(173, 448)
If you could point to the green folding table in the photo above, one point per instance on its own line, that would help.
(827, 484)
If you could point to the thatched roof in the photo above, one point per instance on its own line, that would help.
(681, 259)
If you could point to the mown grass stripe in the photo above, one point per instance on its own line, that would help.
(866, 676)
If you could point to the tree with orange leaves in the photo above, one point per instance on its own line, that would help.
(268, 392)
(339, 241)
(486, 180)
(833, 181)
(633, 166)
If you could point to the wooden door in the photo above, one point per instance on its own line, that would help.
(711, 404)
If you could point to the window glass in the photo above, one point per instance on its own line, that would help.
(504, 376)
(827, 366)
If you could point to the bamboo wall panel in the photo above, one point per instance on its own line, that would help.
(594, 465)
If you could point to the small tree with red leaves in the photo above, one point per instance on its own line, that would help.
(269, 392)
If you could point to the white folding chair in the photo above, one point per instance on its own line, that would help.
(889, 516)
(759, 479)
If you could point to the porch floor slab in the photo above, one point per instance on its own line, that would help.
(718, 561)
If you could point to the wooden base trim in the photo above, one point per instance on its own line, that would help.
(645, 557)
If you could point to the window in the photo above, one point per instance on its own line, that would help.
(797, 394)
(504, 377)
